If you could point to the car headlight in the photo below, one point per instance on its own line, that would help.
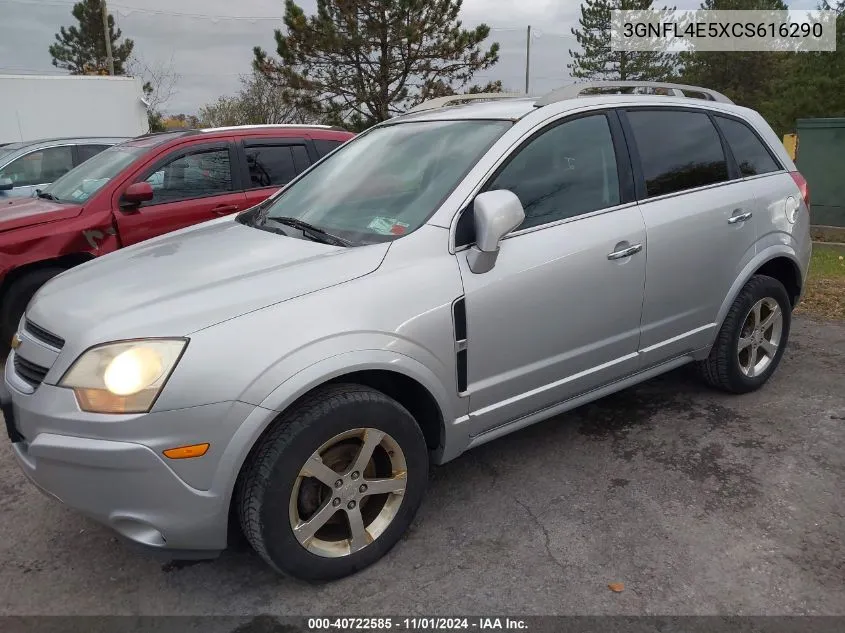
(123, 377)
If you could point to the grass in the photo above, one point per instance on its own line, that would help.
(825, 295)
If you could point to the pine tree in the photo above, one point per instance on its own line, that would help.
(812, 83)
(596, 62)
(82, 50)
(747, 77)
(358, 62)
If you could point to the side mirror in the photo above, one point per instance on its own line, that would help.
(136, 193)
(6, 184)
(497, 213)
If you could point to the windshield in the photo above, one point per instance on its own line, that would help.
(385, 183)
(84, 181)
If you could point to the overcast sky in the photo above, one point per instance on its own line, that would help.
(209, 53)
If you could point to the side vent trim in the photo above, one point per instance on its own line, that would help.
(459, 311)
(459, 318)
(462, 371)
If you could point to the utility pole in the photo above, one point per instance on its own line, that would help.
(106, 36)
(527, 57)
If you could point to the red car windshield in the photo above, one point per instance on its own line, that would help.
(82, 182)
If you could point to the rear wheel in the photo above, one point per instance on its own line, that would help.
(752, 339)
(17, 297)
(335, 484)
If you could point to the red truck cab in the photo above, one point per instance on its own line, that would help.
(177, 179)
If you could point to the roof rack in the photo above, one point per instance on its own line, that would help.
(443, 102)
(677, 90)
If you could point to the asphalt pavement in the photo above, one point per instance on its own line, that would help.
(697, 502)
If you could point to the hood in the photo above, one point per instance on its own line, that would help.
(186, 281)
(16, 213)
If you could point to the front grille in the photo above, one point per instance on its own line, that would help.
(31, 373)
(43, 335)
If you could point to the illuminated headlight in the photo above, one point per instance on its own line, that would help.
(123, 377)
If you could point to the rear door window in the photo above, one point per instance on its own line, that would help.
(40, 167)
(678, 150)
(274, 165)
(84, 152)
(326, 146)
(301, 160)
(750, 153)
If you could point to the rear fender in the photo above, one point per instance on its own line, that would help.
(751, 267)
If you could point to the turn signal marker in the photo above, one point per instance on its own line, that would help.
(184, 452)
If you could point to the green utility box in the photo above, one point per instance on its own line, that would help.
(821, 160)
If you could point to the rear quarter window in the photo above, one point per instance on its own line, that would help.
(751, 155)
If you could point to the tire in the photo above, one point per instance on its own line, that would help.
(16, 299)
(726, 367)
(272, 478)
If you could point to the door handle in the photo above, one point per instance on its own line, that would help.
(625, 252)
(742, 217)
(223, 209)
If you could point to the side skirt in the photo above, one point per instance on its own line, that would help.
(577, 401)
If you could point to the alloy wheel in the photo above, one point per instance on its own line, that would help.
(348, 492)
(760, 337)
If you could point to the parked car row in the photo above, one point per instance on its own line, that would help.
(445, 278)
(26, 167)
(138, 189)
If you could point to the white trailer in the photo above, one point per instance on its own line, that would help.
(47, 106)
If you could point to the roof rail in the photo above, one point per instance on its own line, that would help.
(443, 102)
(574, 90)
(227, 128)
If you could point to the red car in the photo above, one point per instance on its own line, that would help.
(142, 188)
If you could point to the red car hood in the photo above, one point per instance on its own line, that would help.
(20, 212)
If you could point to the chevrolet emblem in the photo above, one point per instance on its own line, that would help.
(16, 342)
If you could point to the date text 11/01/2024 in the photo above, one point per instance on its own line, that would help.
(416, 624)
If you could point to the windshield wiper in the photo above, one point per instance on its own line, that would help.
(312, 231)
(46, 195)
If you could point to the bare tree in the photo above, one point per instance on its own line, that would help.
(160, 80)
(225, 111)
(261, 100)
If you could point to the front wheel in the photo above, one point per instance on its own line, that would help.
(16, 299)
(334, 484)
(752, 339)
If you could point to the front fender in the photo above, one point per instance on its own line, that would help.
(307, 378)
(318, 373)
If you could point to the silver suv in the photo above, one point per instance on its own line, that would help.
(27, 167)
(445, 278)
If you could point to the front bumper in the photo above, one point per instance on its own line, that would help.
(111, 468)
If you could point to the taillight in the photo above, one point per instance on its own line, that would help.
(802, 186)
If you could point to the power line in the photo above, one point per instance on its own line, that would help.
(17, 70)
(128, 10)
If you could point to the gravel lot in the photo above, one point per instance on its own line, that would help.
(699, 502)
